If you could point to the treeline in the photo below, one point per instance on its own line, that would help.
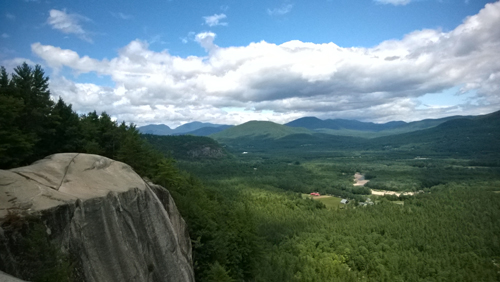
(226, 246)
(32, 126)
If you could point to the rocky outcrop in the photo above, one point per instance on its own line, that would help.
(206, 152)
(112, 224)
(7, 278)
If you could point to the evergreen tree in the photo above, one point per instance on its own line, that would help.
(218, 273)
(15, 145)
(108, 135)
(90, 128)
(68, 133)
(31, 85)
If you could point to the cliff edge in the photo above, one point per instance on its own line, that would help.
(113, 225)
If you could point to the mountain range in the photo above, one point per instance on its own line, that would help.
(477, 137)
(454, 134)
(193, 128)
(341, 127)
(473, 136)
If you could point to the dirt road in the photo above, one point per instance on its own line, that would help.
(359, 180)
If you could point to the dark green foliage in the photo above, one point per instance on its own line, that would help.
(33, 126)
(31, 86)
(391, 197)
(187, 146)
(68, 133)
(37, 259)
(134, 151)
(217, 273)
(15, 145)
(221, 226)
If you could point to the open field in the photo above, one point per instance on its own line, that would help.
(330, 202)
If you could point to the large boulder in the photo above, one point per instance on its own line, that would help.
(111, 223)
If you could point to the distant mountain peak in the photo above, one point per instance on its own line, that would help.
(187, 128)
(156, 129)
(254, 128)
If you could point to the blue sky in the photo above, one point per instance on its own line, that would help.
(232, 61)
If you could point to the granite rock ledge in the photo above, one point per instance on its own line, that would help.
(113, 224)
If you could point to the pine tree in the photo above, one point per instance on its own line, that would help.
(68, 133)
(15, 145)
(90, 128)
(218, 273)
(31, 85)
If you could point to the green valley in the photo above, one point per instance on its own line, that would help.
(444, 228)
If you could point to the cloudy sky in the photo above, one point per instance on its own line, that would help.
(229, 61)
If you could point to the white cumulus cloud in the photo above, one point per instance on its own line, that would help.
(206, 40)
(68, 23)
(274, 82)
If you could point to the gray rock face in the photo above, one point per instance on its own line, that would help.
(116, 226)
(7, 278)
(206, 152)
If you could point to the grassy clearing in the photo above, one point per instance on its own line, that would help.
(330, 202)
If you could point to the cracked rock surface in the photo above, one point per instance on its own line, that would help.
(116, 225)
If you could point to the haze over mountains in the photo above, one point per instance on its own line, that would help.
(307, 125)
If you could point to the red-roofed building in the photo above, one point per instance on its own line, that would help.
(315, 194)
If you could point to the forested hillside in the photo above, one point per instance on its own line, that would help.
(356, 128)
(187, 146)
(259, 129)
(472, 137)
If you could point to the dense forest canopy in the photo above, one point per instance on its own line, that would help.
(34, 126)
(247, 216)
